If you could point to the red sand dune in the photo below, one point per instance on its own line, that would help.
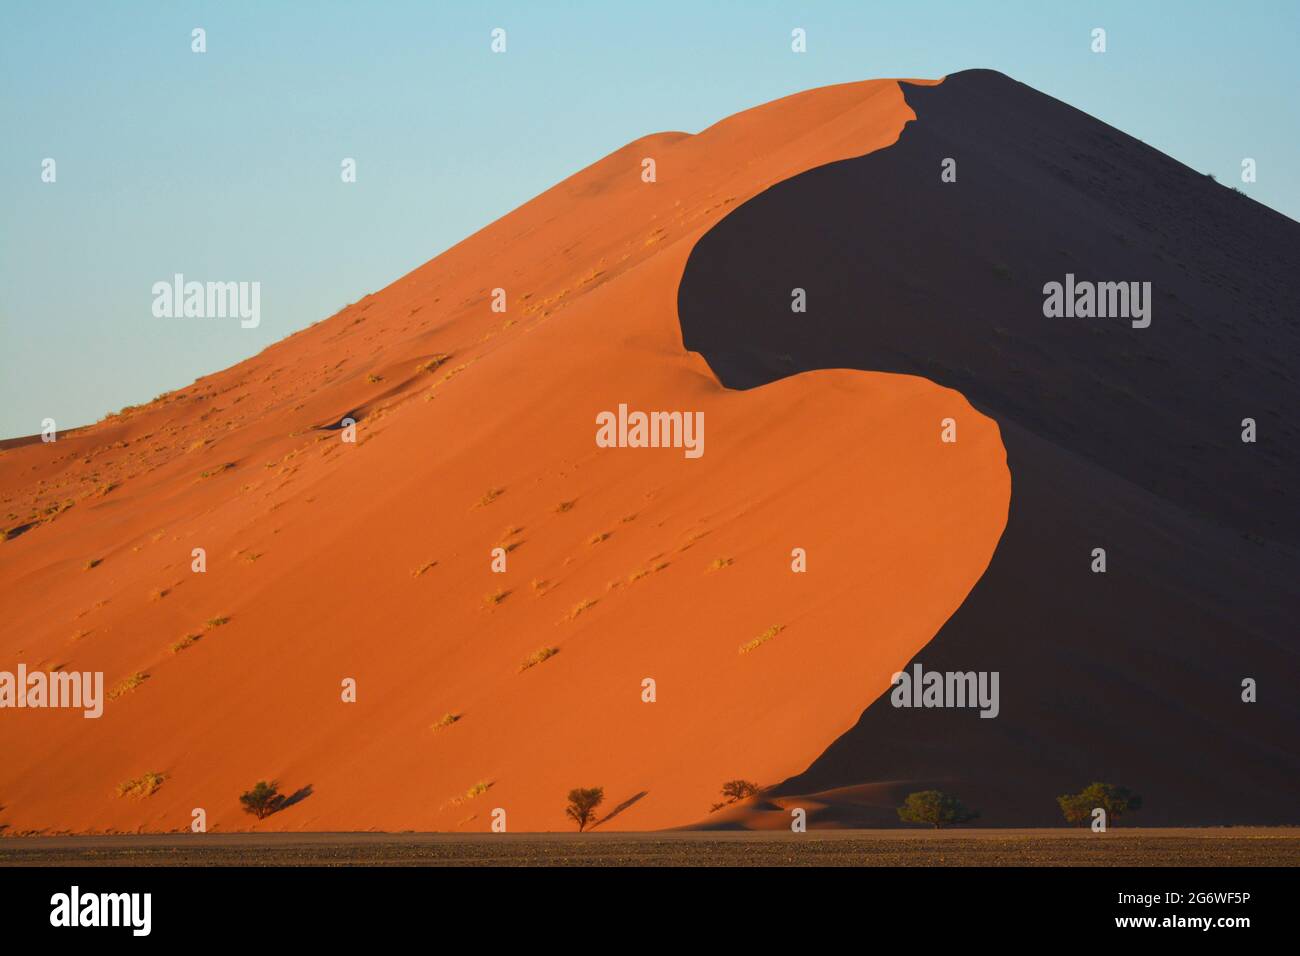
(315, 546)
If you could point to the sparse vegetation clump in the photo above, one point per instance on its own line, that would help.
(185, 642)
(482, 787)
(128, 684)
(581, 606)
(263, 800)
(217, 621)
(224, 466)
(92, 563)
(564, 506)
(456, 371)
(496, 597)
(141, 786)
(537, 656)
(583, 802)
(489, 496)
(763, 638)
(720, 563)
(416, 572)
(1116, 801)
(934, 807)
(446, 720)
(432, 364)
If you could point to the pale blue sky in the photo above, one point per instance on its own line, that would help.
(225, 165)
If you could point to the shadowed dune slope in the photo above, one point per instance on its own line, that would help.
(1122, 438)
(476, 429)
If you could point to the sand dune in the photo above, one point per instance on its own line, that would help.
(371, 561)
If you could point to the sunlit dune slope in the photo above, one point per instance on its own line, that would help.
(476, 429)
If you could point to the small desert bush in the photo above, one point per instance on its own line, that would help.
(263, 800)
(564, 506)
(185, 642)
(496, 597)
(128, 684)
(763, 638)
(217, 621)
(92, 563)
(446, 720)
(489, 496)
(374, 379)
(141, 786)
(581, 606)
(537, 656)
(720, 563)
(432, 364)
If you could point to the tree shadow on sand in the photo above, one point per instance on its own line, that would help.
(620, 808)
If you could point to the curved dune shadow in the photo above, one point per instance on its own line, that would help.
(1122, 438)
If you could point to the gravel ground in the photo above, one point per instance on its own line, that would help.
(1237, 846)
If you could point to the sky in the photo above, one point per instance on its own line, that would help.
(225, 165)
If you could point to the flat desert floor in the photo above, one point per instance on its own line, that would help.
(1230, 846)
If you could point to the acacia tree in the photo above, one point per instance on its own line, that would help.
(263, 800)
(1116, 801)
(735, 790)
(934, 807)
(583, 802)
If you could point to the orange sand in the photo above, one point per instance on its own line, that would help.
(313, 544)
